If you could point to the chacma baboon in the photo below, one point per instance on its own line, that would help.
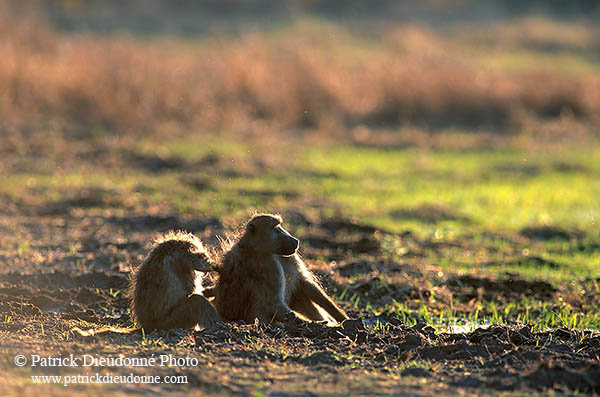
(166, 289)
(262, 276)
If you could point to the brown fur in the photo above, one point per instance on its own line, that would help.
(262, 276)
(166, 289)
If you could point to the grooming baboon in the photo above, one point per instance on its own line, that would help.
(262, 276)
(166, 289)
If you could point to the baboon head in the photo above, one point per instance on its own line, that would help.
(183, 251)
(265, 234)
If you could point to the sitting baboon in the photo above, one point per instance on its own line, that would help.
(262, 276)
(166, 289)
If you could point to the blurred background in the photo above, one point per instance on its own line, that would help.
(376, 73)
(239, 104)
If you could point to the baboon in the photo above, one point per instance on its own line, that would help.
(166, 289)
(262, 276)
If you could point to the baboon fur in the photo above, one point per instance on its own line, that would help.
(262, 276)
(166, 290)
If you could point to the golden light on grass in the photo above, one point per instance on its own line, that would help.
(91, 85)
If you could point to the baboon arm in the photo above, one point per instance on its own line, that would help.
(300, 303)
(318, 296)
(194, 310)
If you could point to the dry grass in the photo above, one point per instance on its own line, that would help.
(311, 78)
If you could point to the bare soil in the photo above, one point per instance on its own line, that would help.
(75, 273)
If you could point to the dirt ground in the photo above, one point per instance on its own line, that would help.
(473, 145)
(75, 270)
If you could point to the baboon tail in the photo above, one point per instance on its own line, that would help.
(103, 331)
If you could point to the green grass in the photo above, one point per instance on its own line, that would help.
(479, 192)
(504, 189)
(473, 204)
(528, 311)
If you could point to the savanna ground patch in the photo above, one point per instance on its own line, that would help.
(456, 222)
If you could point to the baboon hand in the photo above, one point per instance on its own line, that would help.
(291, 318)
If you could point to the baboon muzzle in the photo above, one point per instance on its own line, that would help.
(288, 243)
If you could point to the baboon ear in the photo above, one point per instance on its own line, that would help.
(251, 228)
